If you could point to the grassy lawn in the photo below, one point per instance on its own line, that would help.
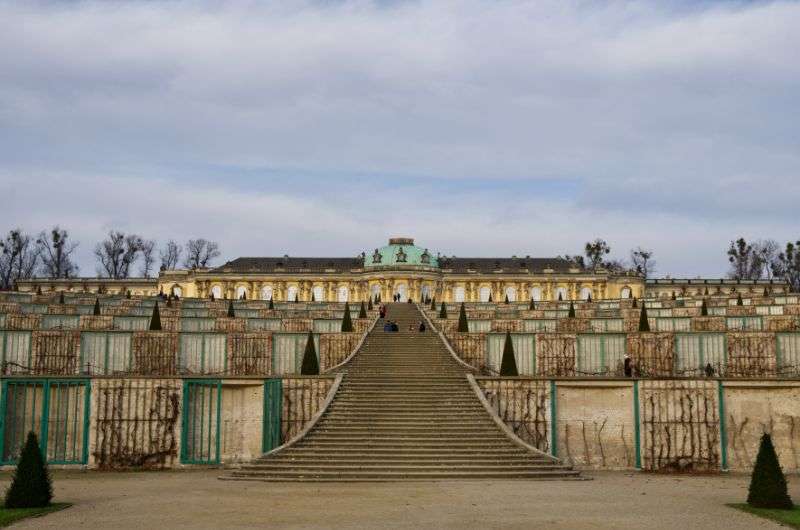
(789, 518)
(8, 516)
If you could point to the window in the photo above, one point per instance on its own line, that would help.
(266, 292)
(292, 294)
(241, 291)
(319, 293)
(511, 294)
(536, 294)
(561, 293)
(586, 293)
(625, 293)
(344, 294)
(458, 294)
(216, 291)
(484, 294)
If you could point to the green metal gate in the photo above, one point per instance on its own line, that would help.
(56, 410)
(200, 439)
(273, 405)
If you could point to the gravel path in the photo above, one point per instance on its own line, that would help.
(196, 499)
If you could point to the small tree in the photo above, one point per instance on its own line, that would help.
(508, 366)
(490, 296)
(155, 319)
(704, 309)
(31, 486)
(506, 300)
(644, 322)
(310, 364)
(271, 304)
(463, 325)
(443, 311)
(96, 311)
(231, 311)
(313, 298)
(768, 484)
(532, 305)
(128, 294)
(571, 313)
(362, 312)
(369, 304)
(739, 300)
(433, 304)
(589, 298)
(347, 322)
(560, 298)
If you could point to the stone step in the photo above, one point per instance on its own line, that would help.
(409, 474)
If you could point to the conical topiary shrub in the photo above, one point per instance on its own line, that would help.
(635, 304)
(644, 322)
(506, 300)
(508, 366)
(313, 298)
(169, 301)
(211, 297)
(674, 296)
(768, 484)
(30, 486)
(347, 322)
(463, 325)
(271, 304)
(128, 294)
(96, 310)
(560, 298)
(61, 298)
(704, 309)
(490, 296)
(369, 305)
(589, 298)
(310, 364)
(705, 291)
(433, 304)
(39, 290)
(532, 305)
(231, 311)
(739, 300)
(766, 292)
(571, 312)
(362, 312)
(155, 319)
(443, 311)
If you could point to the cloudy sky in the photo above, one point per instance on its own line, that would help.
(479, 127)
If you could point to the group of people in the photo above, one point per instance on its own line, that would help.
(390, 325)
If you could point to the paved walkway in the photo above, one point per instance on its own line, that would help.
(196, 499)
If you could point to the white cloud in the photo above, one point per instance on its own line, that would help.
(669, 125)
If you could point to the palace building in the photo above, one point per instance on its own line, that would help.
(409, 271)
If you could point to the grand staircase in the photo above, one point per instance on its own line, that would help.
(404, 411)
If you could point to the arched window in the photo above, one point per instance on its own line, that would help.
(292, 294)
(177, 291)
(483, 294)
(375, 290)
(511, 294)
(217, 292)
(266, 292)
(536, 294)
(344, 294)
(562, 291)
(426, 291)
(241, 291)
(319, 293)
(458, 294)
(625, 293)
(585, 293)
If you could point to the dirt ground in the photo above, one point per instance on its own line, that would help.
(197, 499)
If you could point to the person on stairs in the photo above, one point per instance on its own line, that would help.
(395, 327)
(422, 327)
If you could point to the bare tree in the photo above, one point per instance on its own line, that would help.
(148, 259)
(56, 252)
(116, 254)
(616, 265)
(576, 261)
(19, 258)
(767, 251)
(787, 265)
(745, 261)
(200, 253)
(643, 261)
(170, 255)
(596, 251)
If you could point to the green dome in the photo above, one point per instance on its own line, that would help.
(400, 252)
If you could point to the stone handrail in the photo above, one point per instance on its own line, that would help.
(314, 419)
(355, 350)
(502, 425)
(446, 342)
